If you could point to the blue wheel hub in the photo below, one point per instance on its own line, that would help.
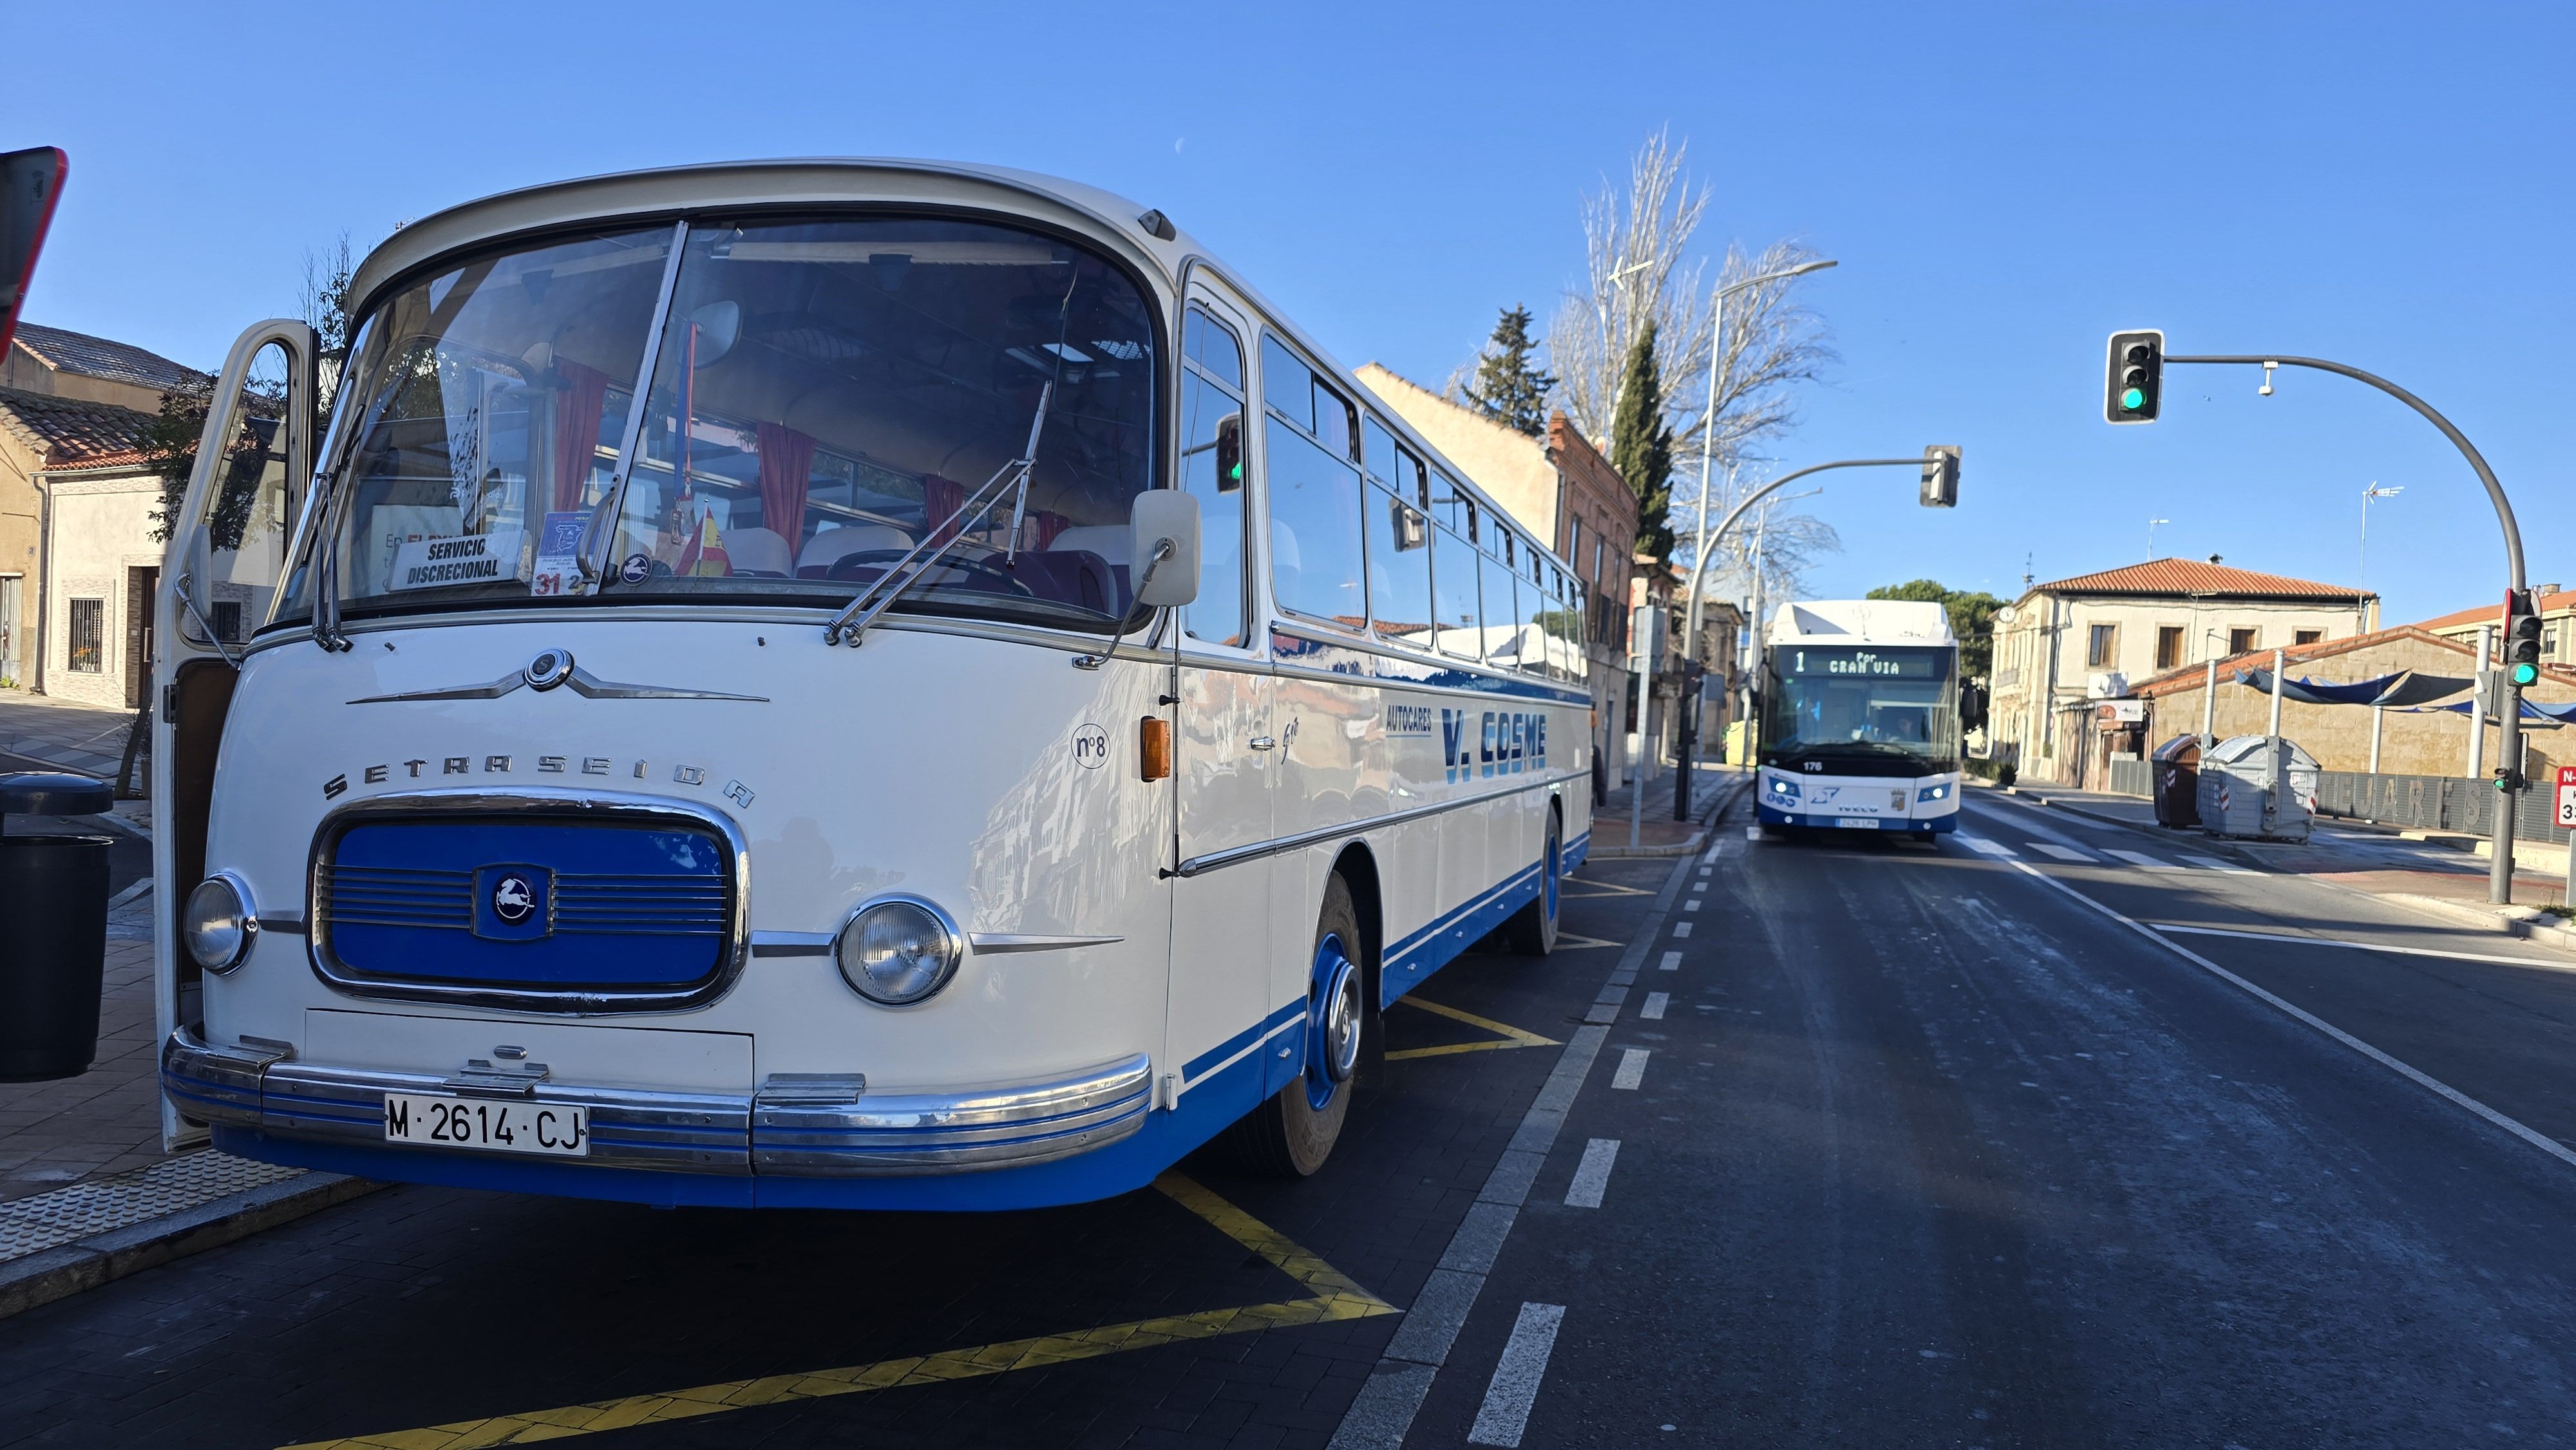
(1334, 1015)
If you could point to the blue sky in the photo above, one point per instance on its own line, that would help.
(2004, 185)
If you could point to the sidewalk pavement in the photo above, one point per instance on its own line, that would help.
(41, 733)
(2375, 860)
(1658, 834)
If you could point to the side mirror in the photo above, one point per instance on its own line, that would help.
(1165, 547)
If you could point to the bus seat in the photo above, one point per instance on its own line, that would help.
(830, 546)
(1071, 576)
(757, 551)
(1110, 544)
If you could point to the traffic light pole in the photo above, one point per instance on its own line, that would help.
(2509, 743)
(1708, 542)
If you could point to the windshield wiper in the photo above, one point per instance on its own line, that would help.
(853, 625)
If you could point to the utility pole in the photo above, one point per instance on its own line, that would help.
(2478, 703)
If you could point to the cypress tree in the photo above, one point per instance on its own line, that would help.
(1508, 387)
(1641, 447)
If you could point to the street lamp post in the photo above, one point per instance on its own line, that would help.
(2362, 567)
(1707, 452)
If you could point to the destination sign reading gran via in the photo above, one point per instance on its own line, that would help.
(1886, 664)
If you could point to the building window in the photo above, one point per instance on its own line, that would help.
(2168, 646)
(2101, 646)
(2306, 636)
(89, 632)
(2240, 641)
(228, 620)
(1573, 536)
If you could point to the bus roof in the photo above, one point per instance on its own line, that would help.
(1861, 621)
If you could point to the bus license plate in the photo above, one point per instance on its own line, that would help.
(1857, 823)
(558, 1129)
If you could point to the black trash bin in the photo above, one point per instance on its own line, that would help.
(2176, 767)
(53, 905)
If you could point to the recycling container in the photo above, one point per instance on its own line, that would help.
(2257, 788)
(2175, 768)
(53, 906)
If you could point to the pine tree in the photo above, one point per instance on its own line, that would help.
(1641, 447)
(1508, 387)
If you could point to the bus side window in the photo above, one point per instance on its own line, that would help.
(1399, 559)
(1503, 635)
(1212, 472)
(1453, 594)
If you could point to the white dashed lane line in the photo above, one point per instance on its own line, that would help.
(1504, 1416)
(1592, 1175)
(2062, 853)
(1681, 929)
(1632, 1068)
(1672, 962)
(1656, 1002)
(1991, 848)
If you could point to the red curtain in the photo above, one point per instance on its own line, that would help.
(786, 467)
(1050, 524)
(941, 498)
(581, 395)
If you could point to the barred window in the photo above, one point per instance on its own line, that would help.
(89, 631)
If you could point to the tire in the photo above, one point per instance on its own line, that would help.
(1531, 931)
(1291, 1134)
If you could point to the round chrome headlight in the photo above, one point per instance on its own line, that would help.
(219, 924)
(898, 950)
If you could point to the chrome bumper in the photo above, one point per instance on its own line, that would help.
(795, 1127)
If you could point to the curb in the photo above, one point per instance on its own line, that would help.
(2508, 920)
(58, 1273)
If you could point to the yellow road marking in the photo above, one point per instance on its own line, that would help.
(1507, 1036)
(1567, 941)
(1605, 888)
(1333, 1296)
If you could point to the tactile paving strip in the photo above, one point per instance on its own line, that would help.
(44, 1221)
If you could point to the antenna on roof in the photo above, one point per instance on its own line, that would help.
(2025, 572)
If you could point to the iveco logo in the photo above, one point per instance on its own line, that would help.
(513, 899)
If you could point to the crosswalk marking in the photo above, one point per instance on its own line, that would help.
(1991, 848)
(2062, 853)
(2211, 863)
(2139, 858)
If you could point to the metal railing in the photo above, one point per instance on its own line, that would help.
(2132, 776)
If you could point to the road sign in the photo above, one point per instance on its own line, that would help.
(2567, 796)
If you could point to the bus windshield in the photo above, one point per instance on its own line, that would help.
(828, 393)
(1897, 704)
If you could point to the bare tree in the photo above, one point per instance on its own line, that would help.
(1634, 270)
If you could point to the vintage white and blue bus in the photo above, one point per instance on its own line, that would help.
(1860, 718)
(864, 684)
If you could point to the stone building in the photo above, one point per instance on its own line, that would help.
(2352, 737)
(2063, 645)
(78, 563)
(2557, 623)
(1559, 488)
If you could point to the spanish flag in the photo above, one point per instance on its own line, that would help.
(703, 557)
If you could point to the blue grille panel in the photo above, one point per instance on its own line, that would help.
(617, 907)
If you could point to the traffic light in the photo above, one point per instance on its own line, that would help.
(2522, 637)
(2134, 384)
(1941, 476)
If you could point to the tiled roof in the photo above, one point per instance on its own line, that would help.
(96, 357)
(71, 434)
(2553, 603)
(2191, 677)
(2183, 577)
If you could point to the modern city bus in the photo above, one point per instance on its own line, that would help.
(1860, 718)
(862, 684)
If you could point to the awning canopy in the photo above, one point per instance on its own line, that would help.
(2531, 710)
(2404, 688)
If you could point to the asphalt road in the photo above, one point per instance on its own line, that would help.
(1923, 1146)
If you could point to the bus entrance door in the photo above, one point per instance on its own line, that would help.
(1225, 774)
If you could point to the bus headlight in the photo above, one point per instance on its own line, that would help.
(219, 923)
(1784, 788)
(898, 950)
(1934, 792)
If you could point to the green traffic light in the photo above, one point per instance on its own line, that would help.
(2526, 674)
(2132, 399)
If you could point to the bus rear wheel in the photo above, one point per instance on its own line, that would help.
(1292, 1134)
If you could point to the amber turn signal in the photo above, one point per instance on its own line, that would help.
(1154, 747)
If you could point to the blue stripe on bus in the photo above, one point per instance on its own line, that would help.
(1410, 962)
(1242, 1040)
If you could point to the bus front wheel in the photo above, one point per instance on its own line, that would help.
(1291, 1134)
